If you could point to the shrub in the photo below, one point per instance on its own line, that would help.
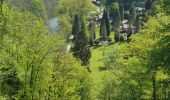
(96, 42)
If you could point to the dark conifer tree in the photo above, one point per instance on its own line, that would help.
(137, 23)
(76, 25)
(116, 14)
(107, 21)
(132, 14)
(122, 11)
(148, 4)
(103, 29)
(116, 24)
(81, 49)
(92, 29)
(132, 18)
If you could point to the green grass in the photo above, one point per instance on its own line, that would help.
(95, 63)
(97, 32)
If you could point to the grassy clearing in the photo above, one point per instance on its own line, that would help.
(96, 64)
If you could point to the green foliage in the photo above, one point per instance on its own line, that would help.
(137, 23)
(116, 24)
(137, 69)
(115, 5)
(103, 29)
(109, 2)
(2, 20)
(36, 7)
(165, 6)
(76, 25)
(148, 4)
(116, 19)
(81, 48)
(132, 15)
(160, 56)
(68, 80)
(84, 90)
(67, 9)
(96, 42)
(107, 92)
(122, 11)
(107, 21)
(112, 8)
(34, 63)
(92, 29)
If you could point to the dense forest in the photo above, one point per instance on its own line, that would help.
(84, 49)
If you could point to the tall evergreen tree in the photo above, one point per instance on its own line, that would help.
(112, 8)
(116, 24)
(116, 15)
(137, 23)
(81, 47)
(148, 4)
(76, 25)
(132, 14)
(92, 29)
(103, 29)
(122, 11)
(107, 21)
(132, 18)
